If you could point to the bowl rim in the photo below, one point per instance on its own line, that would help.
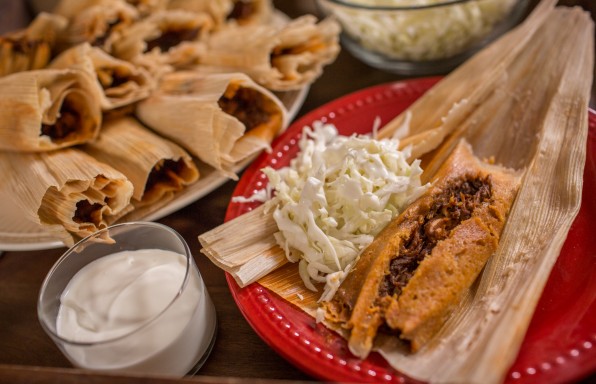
(369, 7)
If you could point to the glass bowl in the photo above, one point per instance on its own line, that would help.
(421, 37)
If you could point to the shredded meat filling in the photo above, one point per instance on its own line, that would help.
(23, 46)
(87, 212)
(449, 209)
(242, 10)
(65, 124)
(171, 38)
(164, 173)
(246, 105)
(101, 39)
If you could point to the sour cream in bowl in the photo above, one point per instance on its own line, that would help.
(129, 299)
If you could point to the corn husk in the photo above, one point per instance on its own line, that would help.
(280, 58)
(122, 83)
(147, 7)
(31, 48)
(169, 37)
(141, 156)
(67, 192)
(71, 8)
(225, 12)
(253, 254)
(523, 102)
(185, 109)
(99, 23)
(38, 105)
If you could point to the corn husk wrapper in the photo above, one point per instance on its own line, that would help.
(225, 12)
(280, 58)
(253, 254)
(48, 109)
(525, 112)
(67, 192)
(147, 7)
(122, 83)
(99, 23)
(31, 48)
(71, 8)
(186, 109)
(168, 37)
(156, 167)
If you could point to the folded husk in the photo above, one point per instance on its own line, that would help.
(143, 157)
(99, 23)
(280, 58)
(122, 83)
(523, 102)
(68, 193)
(253, 254)
(147, 7)
(186, 109)
(169, 37)
(225, 12)
(32, 47)
(48, 109)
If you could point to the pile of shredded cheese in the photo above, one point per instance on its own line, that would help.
(334, 197)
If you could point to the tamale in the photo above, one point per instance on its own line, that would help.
(280, 58)
(156, 167)
(415, 271)
(48, 109)
(223, 12)
(31, 48)
(99, 23)
(67, 192)
(121, 82)
(222, 119)
(169, 37)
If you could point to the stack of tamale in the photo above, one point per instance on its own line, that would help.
(110, 106)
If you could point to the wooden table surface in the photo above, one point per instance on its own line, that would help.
(28, 355)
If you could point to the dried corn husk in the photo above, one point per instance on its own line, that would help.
(523, 102)
(252, 254)
(156, 167)
(99, 23)
(122, 83)
(147, 7)
(168, 37)
(241, 12)
(280, 58)
(32, 47)
(48, 109)
(67, 192)
(72, 8)
(186, 108)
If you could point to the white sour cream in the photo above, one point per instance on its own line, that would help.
(133, 314)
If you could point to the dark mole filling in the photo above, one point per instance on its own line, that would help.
(87, 212)
(172, 38)
(449, 209)
(242, 10)
(23, 46)
(66, 124)
(162, 173)
(246, 105)
(101, 40)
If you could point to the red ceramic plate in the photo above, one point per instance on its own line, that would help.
(560, 345)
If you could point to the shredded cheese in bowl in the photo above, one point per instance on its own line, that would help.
(428, 30)
(334, 197)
